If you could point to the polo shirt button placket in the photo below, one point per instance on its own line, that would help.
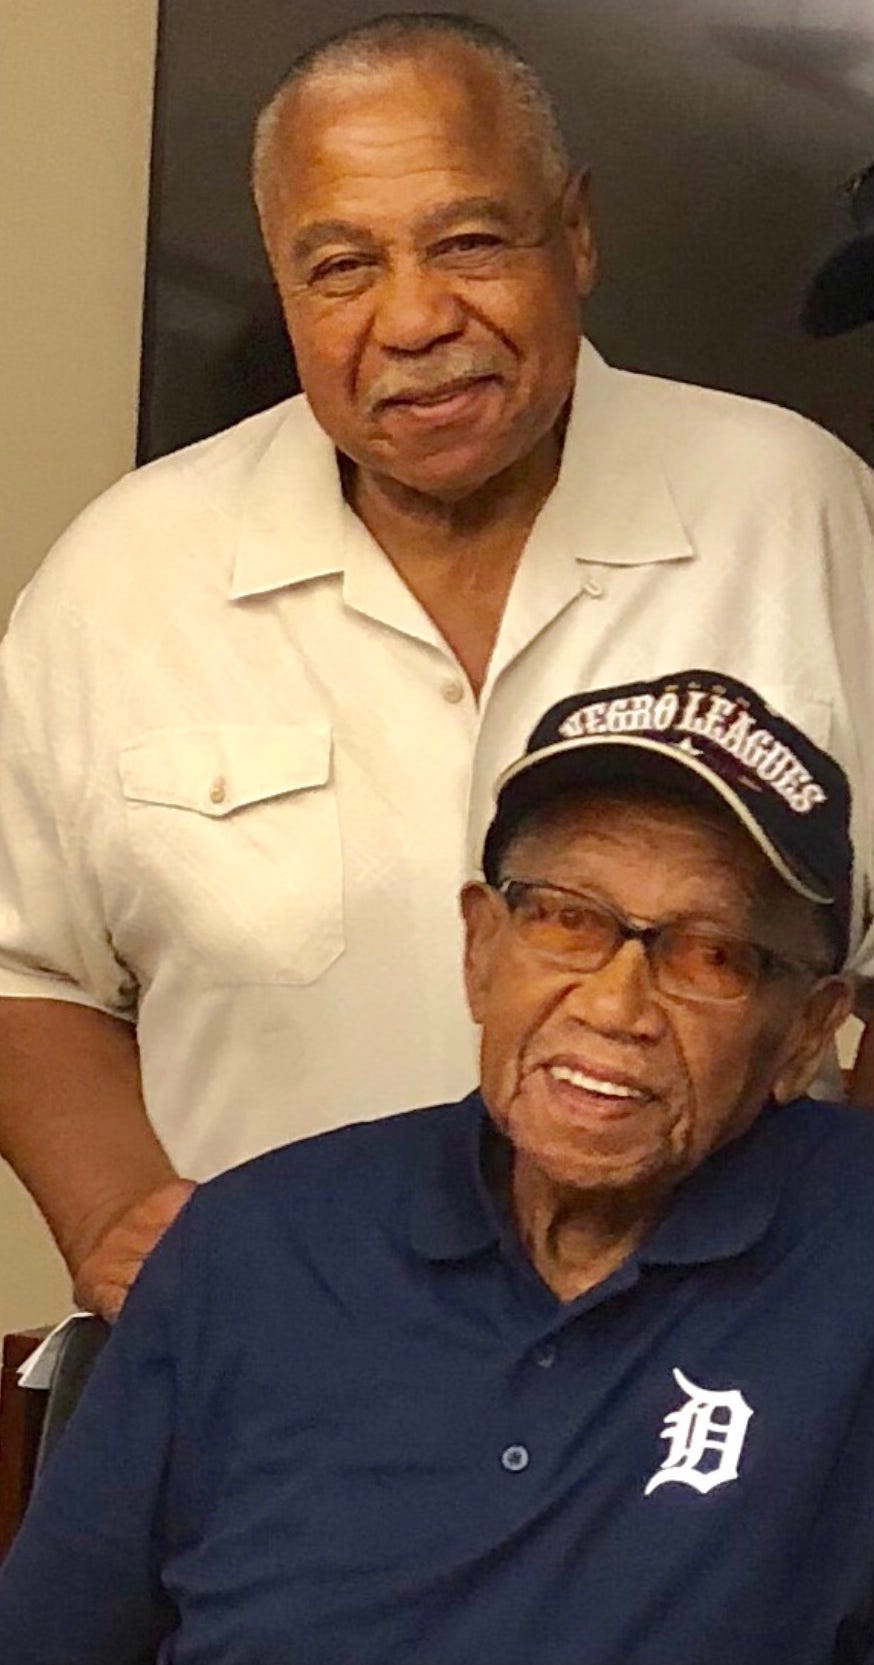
(515, 1458)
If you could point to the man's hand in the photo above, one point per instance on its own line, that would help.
(104, 1277)
(74, 1127)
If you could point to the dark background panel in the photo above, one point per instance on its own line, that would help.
(719, 132)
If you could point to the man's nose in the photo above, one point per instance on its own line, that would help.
(416, 308)
(621, 998)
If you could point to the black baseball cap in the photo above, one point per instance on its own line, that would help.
(711, 734)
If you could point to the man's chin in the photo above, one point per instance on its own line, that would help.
(636, 1174)
(445, 477)
(445, 466)
(622, 1154)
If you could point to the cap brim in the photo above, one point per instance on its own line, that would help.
(599, 760)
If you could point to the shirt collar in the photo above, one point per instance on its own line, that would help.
(291, 513)
(612, 502)
(453, 1214)
(727, 1204)
(720, 1211)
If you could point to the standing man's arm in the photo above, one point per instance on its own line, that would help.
(861, 1084)
(73, 1123)
(74, 1127)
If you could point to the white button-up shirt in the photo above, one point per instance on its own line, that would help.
(243, 777)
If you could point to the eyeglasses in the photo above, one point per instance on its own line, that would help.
(687, 960)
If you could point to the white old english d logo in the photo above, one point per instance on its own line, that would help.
(706, 1435)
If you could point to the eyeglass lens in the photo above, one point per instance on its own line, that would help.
(583, 935)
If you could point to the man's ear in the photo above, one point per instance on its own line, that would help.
(823, 1012)
(576, 219)
(482, 911)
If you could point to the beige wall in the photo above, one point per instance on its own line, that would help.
(75, 118)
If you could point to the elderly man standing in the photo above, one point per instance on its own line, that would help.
(576, 1371)
(253, 702)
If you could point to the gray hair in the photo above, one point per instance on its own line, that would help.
(367, 46)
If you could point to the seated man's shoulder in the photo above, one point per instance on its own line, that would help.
(370, 1165)
(329, 1212)
(832, 1130)
(832, 1163)
(297, 1224)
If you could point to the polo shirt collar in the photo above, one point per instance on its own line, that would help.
(727, 1204)
(612, 503)
(291, 516)
(720, 1211)
(453, 1215)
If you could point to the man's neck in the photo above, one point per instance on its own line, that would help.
(576, 1239)
(458, 557)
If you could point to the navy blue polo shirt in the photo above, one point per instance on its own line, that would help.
(343, 1422)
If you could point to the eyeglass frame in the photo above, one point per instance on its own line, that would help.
(769, 962)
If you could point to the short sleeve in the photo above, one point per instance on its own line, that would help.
(847, 530)
(81, 1584)
(54, 938)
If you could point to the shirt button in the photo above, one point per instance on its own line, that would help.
(453, 691)
(593, 588)
(546, 1356)
(514, 1459)
(219, 790)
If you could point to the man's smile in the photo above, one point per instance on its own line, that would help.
(602, 1086)
(444, 403)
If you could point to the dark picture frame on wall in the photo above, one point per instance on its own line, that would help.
(719, 136)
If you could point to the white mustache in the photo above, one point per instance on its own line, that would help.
(455, 364)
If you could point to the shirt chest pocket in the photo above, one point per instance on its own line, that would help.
(237, 859)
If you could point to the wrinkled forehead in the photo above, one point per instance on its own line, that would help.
(442, 103)
(686, 843)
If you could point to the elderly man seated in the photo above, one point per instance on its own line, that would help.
(577, 1371)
